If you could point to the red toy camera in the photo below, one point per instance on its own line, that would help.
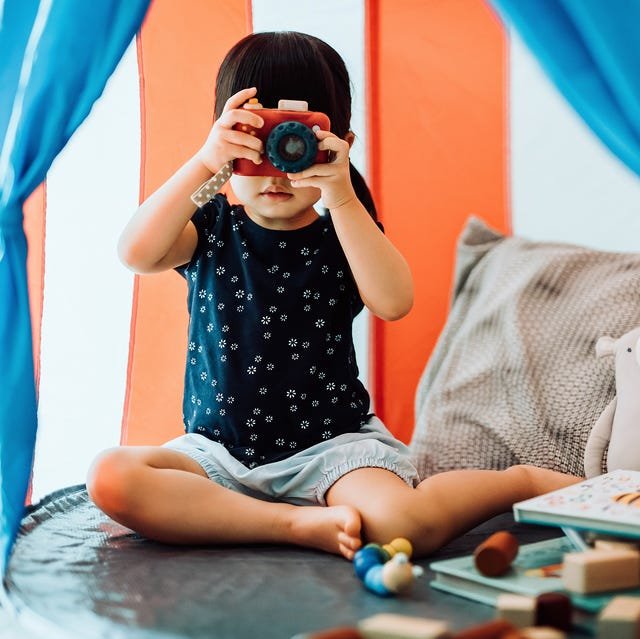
(288, 135)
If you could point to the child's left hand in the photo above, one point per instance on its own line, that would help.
(332, 177)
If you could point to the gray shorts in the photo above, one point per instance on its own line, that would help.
(304, 478)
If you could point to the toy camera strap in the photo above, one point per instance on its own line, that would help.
(205, 192)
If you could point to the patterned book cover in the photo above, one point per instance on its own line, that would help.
(607, 503)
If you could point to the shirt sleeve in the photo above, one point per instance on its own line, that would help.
(204, 219)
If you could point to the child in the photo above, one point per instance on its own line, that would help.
(280, 446)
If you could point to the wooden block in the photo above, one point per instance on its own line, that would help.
(620, 619)
(493, 556)
(516, 609)
(553, 610)
(342, 632)
(600, 570)
(541, 632)
(614, 544)
(390, 626)
(491, 630)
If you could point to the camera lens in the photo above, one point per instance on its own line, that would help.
(291, 146)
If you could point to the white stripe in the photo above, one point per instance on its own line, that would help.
(92, 190)
(566, 185)
(6, 169)
(346, 36)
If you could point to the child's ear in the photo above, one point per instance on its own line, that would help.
(350, 137)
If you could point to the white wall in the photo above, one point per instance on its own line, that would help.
(565, 184)
(92, 189)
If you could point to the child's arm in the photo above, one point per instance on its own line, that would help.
(379, 269)
(381, 273)
(160, 235)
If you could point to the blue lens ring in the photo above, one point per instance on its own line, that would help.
(294, 129)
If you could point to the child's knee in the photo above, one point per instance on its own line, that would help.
(110, 478)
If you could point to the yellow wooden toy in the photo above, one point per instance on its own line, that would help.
(400, 544)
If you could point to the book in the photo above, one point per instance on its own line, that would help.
(608, 504)
(459, 576)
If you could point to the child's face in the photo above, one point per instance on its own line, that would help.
(292, 209)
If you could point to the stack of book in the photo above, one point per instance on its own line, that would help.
(605, 505)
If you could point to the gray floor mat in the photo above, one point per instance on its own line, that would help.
(76, 573)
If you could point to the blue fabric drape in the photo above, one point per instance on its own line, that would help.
(591, 50)
(55, 59)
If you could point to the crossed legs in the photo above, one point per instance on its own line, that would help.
(442, 506)
(167, 496)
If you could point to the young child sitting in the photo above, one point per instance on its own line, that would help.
(280, 445)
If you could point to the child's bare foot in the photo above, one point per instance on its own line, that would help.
(335, 529)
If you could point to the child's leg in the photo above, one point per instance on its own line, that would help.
(441, 507)
(165, 495)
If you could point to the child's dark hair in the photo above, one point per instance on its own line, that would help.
(294, 66)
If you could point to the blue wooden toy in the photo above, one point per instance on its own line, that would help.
(385, 570)
(370, 555)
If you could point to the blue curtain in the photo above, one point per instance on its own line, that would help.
(591, 50)
(55, 59)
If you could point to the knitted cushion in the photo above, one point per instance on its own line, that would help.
(514, 377)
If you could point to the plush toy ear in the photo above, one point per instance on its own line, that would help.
(605, 346)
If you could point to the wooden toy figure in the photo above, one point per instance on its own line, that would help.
(386, 570)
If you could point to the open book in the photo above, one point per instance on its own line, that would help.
(607, 503)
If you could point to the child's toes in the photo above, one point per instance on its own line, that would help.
(349, 542)
(347, 552)
(352, 523)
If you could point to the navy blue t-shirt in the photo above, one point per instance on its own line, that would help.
(271, 366)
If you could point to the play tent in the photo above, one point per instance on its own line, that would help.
(453, 116)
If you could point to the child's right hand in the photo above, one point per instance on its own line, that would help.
(224, 143)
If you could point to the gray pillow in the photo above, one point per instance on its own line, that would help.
(514, 376)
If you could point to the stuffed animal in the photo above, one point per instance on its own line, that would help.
(619, 424)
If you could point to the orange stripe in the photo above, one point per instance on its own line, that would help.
(439, 155)
(124, 430)
(34, 228)
(177, 92)
(249, 15)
